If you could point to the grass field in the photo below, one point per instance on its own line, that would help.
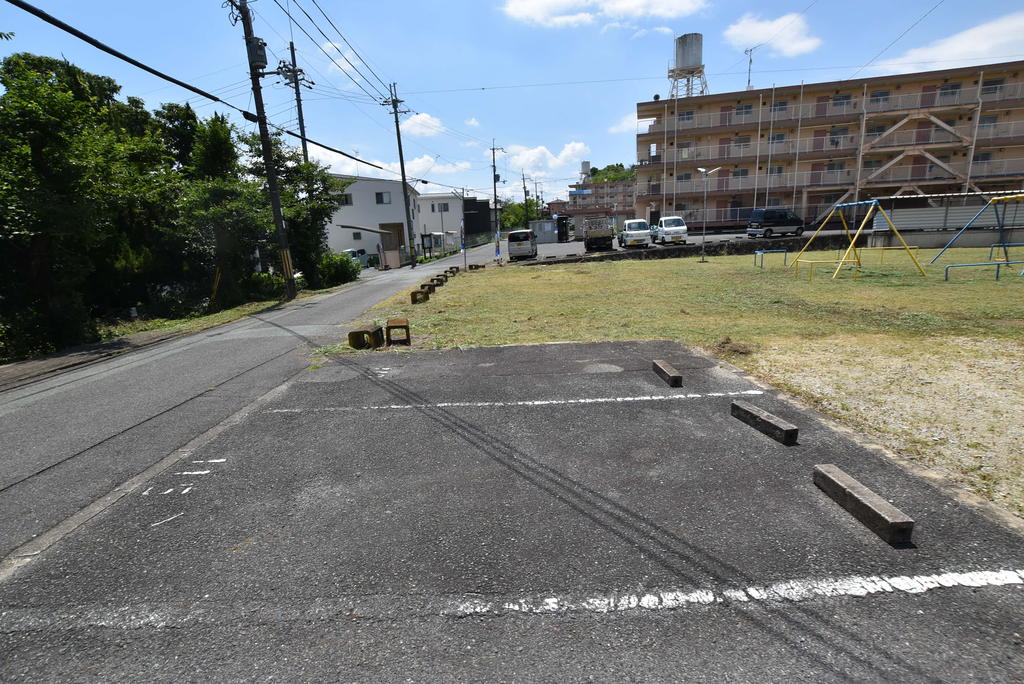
(932, 369)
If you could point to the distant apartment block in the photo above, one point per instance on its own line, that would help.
(615, 199)
(808, 146)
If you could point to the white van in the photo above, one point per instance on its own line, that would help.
(635, 233)
(522, 244)
(671, 230)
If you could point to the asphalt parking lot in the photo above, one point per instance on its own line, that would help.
(543, 512)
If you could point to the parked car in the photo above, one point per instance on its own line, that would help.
(768, 222)
(635, 233)
(671, 229)
(522, 244)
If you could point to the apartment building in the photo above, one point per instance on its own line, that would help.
(615, 199)
(809, 146)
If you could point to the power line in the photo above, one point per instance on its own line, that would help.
(719, 73)
(53, 21)
(895, 40)
(351, 47)
(380, 94)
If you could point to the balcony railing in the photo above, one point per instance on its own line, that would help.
(837, 143)
(900, 173)
(833, 108)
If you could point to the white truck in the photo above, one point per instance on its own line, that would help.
(597, 234)
(635, 233)
(671, 230)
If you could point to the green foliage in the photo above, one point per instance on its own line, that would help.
(517, 214)
(106, 206)
(612, 173)
(262, 286)
(309, 197)
(337, 269)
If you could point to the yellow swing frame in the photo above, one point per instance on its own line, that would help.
(873, 206)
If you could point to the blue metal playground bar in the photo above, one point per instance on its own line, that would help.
(997, 264)
(1004, 245)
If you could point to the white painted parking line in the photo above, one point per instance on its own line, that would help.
(161, 522)
(194, 472)
(785, 592)
(498, 404)
(212, 460)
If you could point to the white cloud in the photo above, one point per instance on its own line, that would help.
(992, 41)
(469, 143)
(535, 159)
(626, 124)
(423, 125)
(337, 62)
(787, 36)
(562, 13)
(471, 121)
(424, 165)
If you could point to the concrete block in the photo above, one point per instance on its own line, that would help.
(874, 512)
(401, 325)
(771, 425)
(369, 337)
(429, 287)
(667, 373)
(419, 296)
(438, 281)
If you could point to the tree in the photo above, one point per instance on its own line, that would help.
(178, 125)
(514, 214)
(309, 197)
(612, 173)
(71, 154)
(226, 216)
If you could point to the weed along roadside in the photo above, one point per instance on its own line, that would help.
(931, 369)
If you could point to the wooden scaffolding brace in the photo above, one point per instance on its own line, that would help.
(873, 206)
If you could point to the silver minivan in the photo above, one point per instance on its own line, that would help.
(522, 244)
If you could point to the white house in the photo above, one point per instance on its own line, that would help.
(372, 216)
(440, 214)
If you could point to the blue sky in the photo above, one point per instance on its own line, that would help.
(453, 61)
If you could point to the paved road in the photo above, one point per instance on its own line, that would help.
(72, 438)
(538, 513)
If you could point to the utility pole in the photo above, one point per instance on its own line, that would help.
(394, 102)
(256, 50)
(293, 75)
(497, 209)
(526, 201)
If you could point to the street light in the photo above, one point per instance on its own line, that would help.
(704, 228)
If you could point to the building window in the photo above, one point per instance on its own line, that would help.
(774, 201)
(442, 207)
(876, 129)
(686, 176)
(835, 166)
(356, 235)
(346, 199)
(775, 170)
(836, 135)
(949, 90)
(686, 115)
(872, 164)
(744, 109)
(741, 142)
(880, 97)
(842, 100)
(433, 209)
(779, 106)
(992, 86)
(776, 137)
(988, 121)
(383, 197)
(740, 173)
(982, 157)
